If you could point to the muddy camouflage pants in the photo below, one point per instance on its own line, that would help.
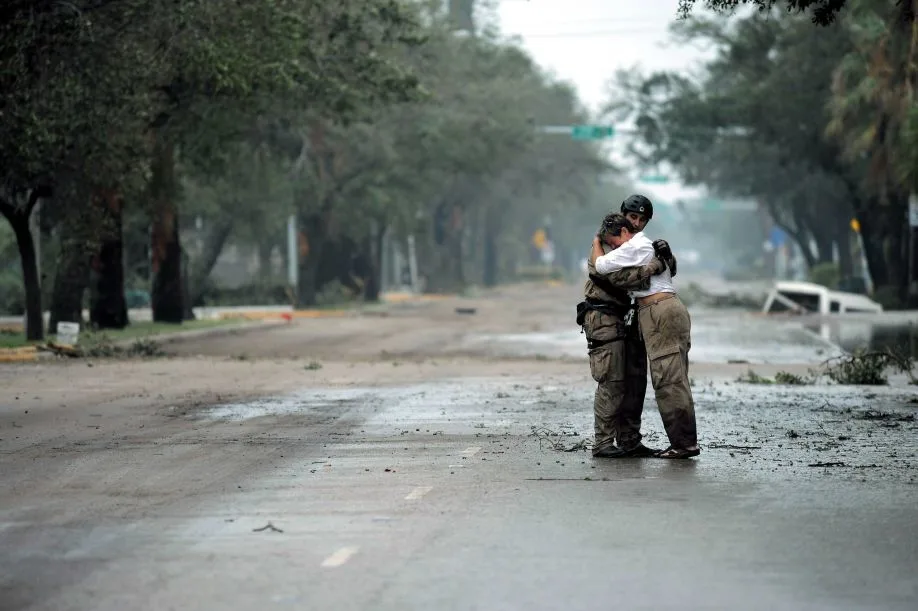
(666, 329)
(619, 368)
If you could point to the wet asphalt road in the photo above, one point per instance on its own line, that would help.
(454, 494)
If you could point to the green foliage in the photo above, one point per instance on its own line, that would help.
(867, 368)
(262, 293)
(825, 274)
(791, 379)
(822, 12)
(12, 295)
(781, 377)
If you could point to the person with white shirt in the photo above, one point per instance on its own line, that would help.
(665, 326)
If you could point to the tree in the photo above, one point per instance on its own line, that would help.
(68, 105)
(874, 116)
(245, 58)
(754, 126)
(824, 12)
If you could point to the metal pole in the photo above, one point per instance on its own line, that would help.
(293, 258)
(413, 264)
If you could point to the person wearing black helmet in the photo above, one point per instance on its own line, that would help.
(618, 360)
(665, 326)
(639, 210)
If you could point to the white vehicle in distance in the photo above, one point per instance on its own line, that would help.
(809, 298)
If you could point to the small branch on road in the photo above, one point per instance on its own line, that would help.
(545, 435)
(728, 446)
(268, 526)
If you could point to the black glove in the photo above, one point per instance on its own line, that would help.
(664, 253)
(662, 249)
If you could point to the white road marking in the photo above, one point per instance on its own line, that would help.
(340, 557)
(472, 451)
(418, 493)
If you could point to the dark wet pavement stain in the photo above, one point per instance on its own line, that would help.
(768, 432)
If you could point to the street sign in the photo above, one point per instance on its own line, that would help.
(592, 132)
(913, 211)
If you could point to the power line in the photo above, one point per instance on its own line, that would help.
(587, 33)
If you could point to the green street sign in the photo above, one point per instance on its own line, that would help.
(591, 132)
(658, 179)
(713, 205)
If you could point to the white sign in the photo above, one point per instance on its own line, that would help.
(68, 333)
(913, 211)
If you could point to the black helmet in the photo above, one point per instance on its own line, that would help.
(639, 204)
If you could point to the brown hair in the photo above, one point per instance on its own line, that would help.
(614, 222)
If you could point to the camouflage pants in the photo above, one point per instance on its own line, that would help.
(666, 328)
(619, 368)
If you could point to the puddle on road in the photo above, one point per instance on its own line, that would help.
(468, 400)
(853, 335)
(717, 337)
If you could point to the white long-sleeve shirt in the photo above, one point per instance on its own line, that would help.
(636, 251)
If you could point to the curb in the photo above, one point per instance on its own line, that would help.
(180, 336)
(22, 354)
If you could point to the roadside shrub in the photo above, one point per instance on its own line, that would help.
(249, 294)
(825, 274)
(867, 368)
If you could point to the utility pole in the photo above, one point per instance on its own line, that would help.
(293, 259)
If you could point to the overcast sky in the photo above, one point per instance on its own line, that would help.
(586, 41)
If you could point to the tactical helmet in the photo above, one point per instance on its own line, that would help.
(639, 204)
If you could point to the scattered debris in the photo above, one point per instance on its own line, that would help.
(545, 435)
(728, 446)
(103, 347)
(313, 366)
(269, 527)
(781, 377)
(885, 417)
(792, 434)
(751, 377)
(790, 379)
(466, 310)
(827, 464)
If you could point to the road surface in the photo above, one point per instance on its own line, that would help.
(415, 460)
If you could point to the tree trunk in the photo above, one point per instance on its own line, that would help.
(873, 252)
(213, 247)
(372, 282)
(845, 258)
(798, 232)
(265, 249)
(70, 284)
(26, 244)
(187, 306)
(490, 262)
(311, 244)
(108, 309)
(167, 295)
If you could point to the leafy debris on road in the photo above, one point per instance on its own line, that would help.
(269, 527)
(546, 435)
(885, 417)
(869, 367)
(102, 346)
(781, 377)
